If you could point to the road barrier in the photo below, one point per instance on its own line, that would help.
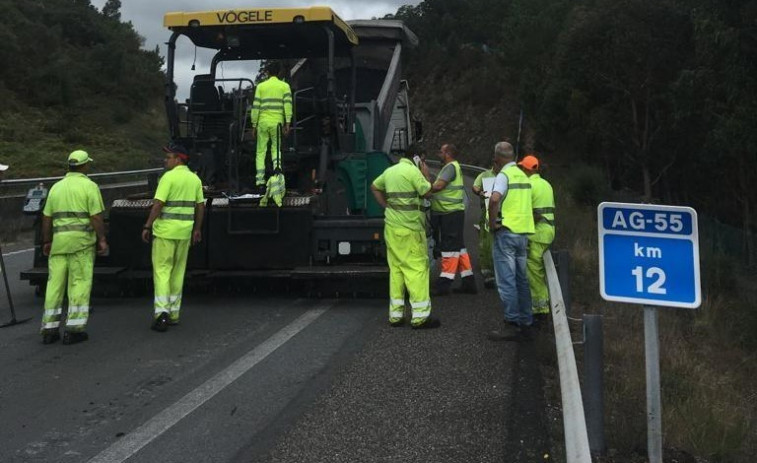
(98, 175)
(13, 194)
(574, 421)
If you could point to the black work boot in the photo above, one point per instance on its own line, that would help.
(160, 323)
(50, 336)
(541, 319)
(526, 333)
(396, 322)
(468, 286)
(442, 287)
(73, 337)
(510, 332)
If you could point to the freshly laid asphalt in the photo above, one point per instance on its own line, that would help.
(271, 379)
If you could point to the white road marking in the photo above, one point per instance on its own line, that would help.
(17, 252)
(163, 421)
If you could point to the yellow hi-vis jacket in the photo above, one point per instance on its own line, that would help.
(70, 203)
(403, 184)
(516, 211)
(543, 202)
(180, 190)
(272, 103)
(451, 198)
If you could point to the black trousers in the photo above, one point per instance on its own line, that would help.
(448, 230)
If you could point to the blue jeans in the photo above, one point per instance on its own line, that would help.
(510, 255)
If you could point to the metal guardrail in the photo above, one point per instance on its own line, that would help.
(574, 421)
(35, 181)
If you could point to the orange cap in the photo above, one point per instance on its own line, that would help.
(529, 162)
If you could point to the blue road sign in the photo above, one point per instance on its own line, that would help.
(649, 254)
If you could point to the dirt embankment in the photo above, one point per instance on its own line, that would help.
(455, 109)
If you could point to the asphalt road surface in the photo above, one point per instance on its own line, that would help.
(269, 379)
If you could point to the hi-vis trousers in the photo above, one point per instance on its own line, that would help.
(485, 240)
(448, 231)
(72, 274)
(537, 277)
(169, 261)
(407, 257)
(268, 131)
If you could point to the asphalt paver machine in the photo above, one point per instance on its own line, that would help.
(350, 114)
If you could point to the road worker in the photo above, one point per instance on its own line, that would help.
(511, 221)
(484, 234)
(543, 203)
(175, 220)
(448, 223)
(270, 115)
(400, 190)
(72, 231)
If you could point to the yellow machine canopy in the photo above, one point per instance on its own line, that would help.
(261, 33)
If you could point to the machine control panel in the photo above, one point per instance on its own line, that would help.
(35, 200)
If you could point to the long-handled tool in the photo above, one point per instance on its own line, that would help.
(13, 321)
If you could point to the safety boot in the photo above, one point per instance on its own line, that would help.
(442, 287)
(73, 337)
(541, 320)
(510, 332)
(429, 323)
(468, 286)
(160, 323)
(395, 322)
(50, 336)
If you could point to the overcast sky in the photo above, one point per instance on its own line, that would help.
(147, 18)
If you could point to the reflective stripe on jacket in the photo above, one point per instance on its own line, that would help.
(180, 190)
(272, 102)
(543, 202)
(516, 211)
(451, 198)
(403, 184)
(70, 204)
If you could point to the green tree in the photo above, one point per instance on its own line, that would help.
(615, 69)
(112, 9)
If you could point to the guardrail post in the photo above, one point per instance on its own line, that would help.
(563, 275)
(594, 383)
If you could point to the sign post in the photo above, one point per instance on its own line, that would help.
(649, 254)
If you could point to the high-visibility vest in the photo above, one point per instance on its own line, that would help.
(401, 184)
(180, 190)
(451, 198)
(272, 102)
(70, 203)
(516, 211)
(543, 202)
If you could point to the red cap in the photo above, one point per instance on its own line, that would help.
(178, 150)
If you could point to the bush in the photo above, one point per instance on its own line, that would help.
(588, 185)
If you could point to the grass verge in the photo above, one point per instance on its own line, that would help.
(708, 355)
